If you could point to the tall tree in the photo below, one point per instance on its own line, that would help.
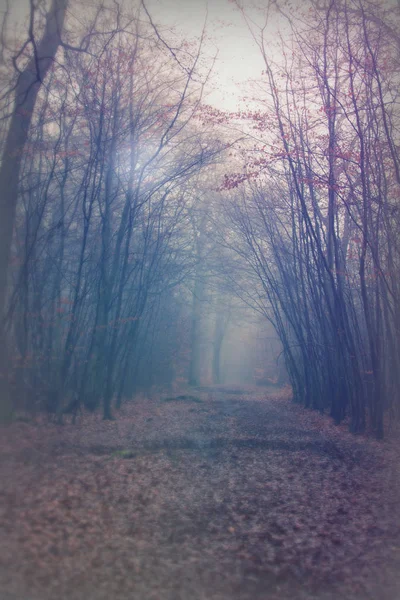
(29, 80)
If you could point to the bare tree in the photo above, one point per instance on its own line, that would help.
(104, 211)
(29, 80)
(312, 216)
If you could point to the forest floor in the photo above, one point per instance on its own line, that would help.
(219, 494)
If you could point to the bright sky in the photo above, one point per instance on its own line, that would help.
(238, 57)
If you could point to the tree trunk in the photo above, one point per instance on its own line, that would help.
(221, 323)
(27, 89)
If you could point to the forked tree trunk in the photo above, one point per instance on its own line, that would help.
(26, 93)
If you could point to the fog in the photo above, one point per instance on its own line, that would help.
(199, 300)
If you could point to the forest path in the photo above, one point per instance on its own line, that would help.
(214, 493)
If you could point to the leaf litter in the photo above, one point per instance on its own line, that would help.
(243, 497)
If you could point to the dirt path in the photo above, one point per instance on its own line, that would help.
(217, 494)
